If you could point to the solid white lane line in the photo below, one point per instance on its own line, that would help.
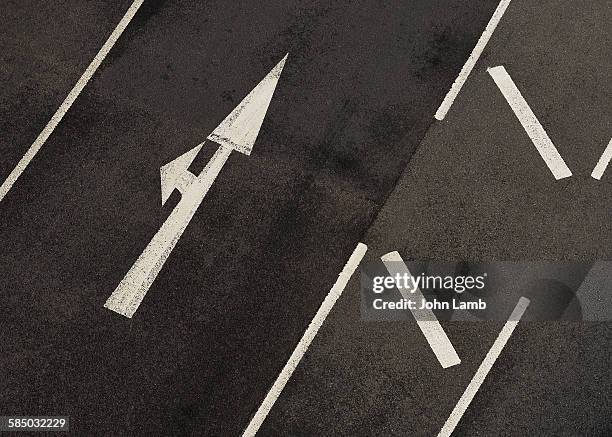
(307, 338)
(471, 61)
(603, 162)
(425, 318)
(530, 123)
(485, 367)
(69, 100)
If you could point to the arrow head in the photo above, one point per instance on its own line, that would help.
(175, 174)
(238, 131)
(240, 128)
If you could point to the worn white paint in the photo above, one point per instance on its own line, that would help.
(603, 162)
(234, 133)
(240, 128)
(425, 318)
(472, 59)
(175, 174)
(305, 341)
(484, 368)
(530, 123)
(69, 100)
(131, 290)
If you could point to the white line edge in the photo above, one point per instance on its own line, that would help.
(471, 61)
(484, 368)
(305, 341)
(603, 162)
(532, 126)
(426, 319)
(68, 101)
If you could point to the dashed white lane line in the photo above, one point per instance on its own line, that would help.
(304, 343)
(425, 318)
(69, 100)
(603, 162)
(471, 61)
(485, 367)
(530, 123)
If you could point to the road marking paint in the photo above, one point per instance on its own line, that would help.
(530, 123)
(305, 341)
(472, 59)
(603, 162)
(240, 128)
(425, 318)
(69, 100)
(176, 175)
(237, 132)
(484, 368)
(132, 289)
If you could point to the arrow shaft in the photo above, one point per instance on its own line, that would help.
(130, 292)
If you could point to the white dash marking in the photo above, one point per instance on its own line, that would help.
(304, 343)
(603, 162)
(471, 61)
(485, 367)
(425, 318)
(530, 123)
(69, 100)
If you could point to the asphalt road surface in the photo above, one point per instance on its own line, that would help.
(352, 113)
(477, 190)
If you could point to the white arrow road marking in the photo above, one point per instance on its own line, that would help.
(128, 295)
(240, 128)
(237, 132)
(305, 341)
(484, 368)
(471, 61)
(425, 318)
(69, 100)
(175, 174)
(530, 123)
(603, 162)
